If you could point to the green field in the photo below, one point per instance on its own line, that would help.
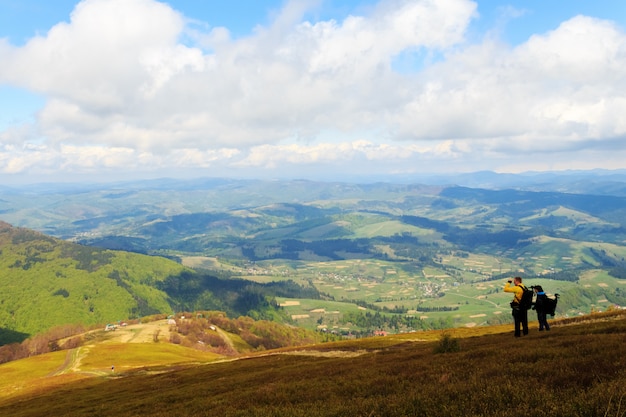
(459, 291)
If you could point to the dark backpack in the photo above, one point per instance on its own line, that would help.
(549, 304)
(527, 298)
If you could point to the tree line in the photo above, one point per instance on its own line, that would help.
(58, 338)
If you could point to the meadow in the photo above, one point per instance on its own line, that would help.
(462, 290)
(576, 369)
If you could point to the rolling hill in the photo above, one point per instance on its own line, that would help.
(48, 282)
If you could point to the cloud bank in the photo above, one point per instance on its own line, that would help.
(134, 86)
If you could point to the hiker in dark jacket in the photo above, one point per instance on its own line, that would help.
(540, 307)
(520, 315)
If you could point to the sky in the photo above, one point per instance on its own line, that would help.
(101, 90)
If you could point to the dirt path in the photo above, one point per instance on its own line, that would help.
(134, 333)
(72, 361)
(141, 333)
(225, 338)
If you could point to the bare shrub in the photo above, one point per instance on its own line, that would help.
(447, 344)
(175, 338)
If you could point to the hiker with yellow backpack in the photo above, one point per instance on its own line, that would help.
(520, 304)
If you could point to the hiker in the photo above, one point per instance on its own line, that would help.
(520, 314)
(541, 307)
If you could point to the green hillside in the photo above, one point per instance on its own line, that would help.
(47, 282)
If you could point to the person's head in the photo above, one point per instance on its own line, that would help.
(517, 280)
(538, 288)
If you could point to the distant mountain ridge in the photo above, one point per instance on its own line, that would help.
(69, 209)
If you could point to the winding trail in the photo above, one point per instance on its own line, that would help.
(136, 333)
(225, 338)
(72, 362)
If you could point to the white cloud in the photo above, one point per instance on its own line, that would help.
(552, 92)
(338, 154)
(117, 74)
(123, 91)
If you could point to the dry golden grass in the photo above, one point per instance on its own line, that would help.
(577, 369)
(108, 357)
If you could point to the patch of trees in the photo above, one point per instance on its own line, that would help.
(88, 258)
(431, 309)
(324, 227)
(125, 243)
(395, 309)
(142, 306)
(469, 239)
(616, 297)
(237, 297)
(58, 338)
(62, 292)
(331, 248)
(400, 238)
(199, 331)
(616, 265)
(291, 289)
(426, 223)
(603, 258)
(334, 249)
(32, 254)
(20, 236)
(404, 245)
(117, 277)
(618, 272)
(424, 256)
(571, 275)
(26, 264)
(371, 321)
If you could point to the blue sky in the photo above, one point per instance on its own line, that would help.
(114, 89)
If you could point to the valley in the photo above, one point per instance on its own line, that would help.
(347, 259)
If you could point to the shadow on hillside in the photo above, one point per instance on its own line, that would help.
(11, 336)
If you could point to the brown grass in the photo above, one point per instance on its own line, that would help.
(573, 370)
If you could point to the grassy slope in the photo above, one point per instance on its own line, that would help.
(575, 370)
(129, 348)
(47, 282)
